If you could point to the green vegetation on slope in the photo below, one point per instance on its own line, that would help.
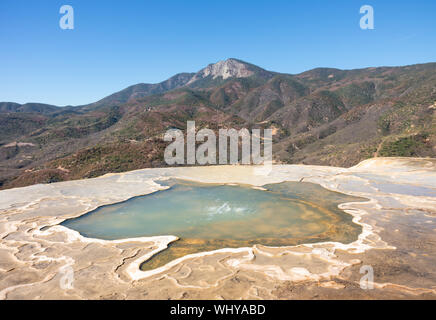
(322, 116)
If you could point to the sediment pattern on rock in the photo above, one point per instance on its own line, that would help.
(398, 240)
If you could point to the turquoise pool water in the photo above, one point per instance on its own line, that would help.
(208, 216)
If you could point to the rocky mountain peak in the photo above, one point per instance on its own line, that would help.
(230, 68)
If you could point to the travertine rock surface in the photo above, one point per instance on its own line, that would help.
(39, 259)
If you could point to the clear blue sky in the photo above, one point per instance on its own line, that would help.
(119, 43)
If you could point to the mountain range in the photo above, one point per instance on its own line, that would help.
(322, 116)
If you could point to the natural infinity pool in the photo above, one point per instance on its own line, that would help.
(209, 216)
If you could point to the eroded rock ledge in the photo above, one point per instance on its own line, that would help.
(398, 240)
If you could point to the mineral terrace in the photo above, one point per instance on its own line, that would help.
(398, 240)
